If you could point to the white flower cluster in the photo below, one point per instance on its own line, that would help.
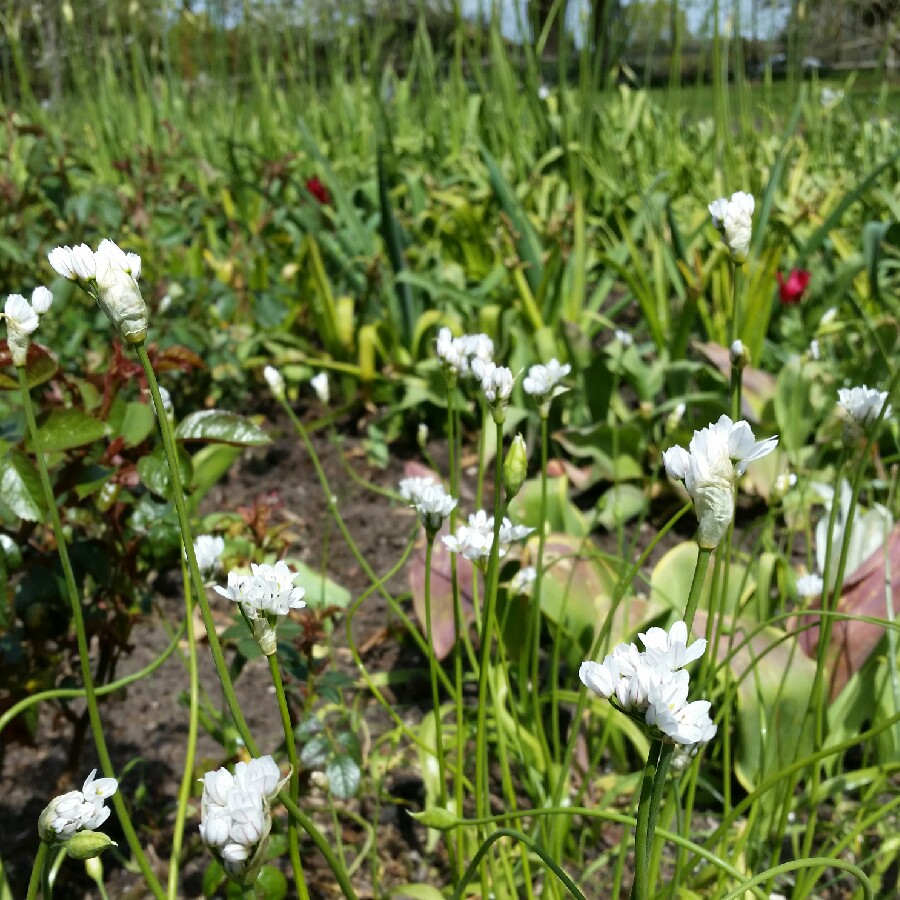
(234, 812)
(266, 596)
(430, 500)
(523, 581)
(734, 220)
(863, 405)
(474, 540)
(653, 684)
(275, 381)
(543, 381)
(83, 810)
(22, 321)
(810, 585)
(458, 353)
(319, 383)
(208, 550)
(716, 457)
(496, 385)
(111, 276)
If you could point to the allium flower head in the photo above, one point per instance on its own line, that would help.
(716, 457)
(21, 323)
(863, 405)
(208, 550)
(458, 353)
(810, 585)
(235, 818)
(733, 219)
(319, 384)
(543, 381)
(652, 686)
(118, 294)
(77, 811)
(475, 539)
(496, 385)
(429, 499)
(275, 381)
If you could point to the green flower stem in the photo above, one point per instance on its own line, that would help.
(87, 675)
(37, 872)
(820, 862)
(187, 778)
(642, 836)
(482, 789)
(693, 600)
(294, 786)
(432, 670)
(102, 691)
(532, 845)
(215, 645)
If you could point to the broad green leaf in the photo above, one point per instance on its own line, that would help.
(64, 429)
(20, 487)
(317, 751)
(154, 472)
(562, 514)
(417, 892)
(343, 776)
(619, 504)
(320, 590)
(138, 423)
(220, 427)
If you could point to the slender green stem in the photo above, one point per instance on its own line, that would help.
(83, 649)
(693, 600)
(536, 618)
(187, 778)
(214, 644)
(294, 785)
(532, 845)
(482, 790)
(432, 669)
(37, 872)
(641, 835)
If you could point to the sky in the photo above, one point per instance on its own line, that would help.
(699, 13)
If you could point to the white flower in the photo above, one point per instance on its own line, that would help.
(687, 724)
(235, 818)
(669, 648)
(733, 219)
(624, 337)
(543, 381)
(165, 303)
(830, 97)
(76, 811)
(523, 581)
(828, 317)
(319, 384)
(739, 354)
(41, 299)
(814, 350)
(863, 405)
(458, 354)
(275, 381)
(543, 92)
(716, 457)
(265, 596)
(475, 539)
(496, 385)
(21, 323)
(74, 263)
(118, 293)
(810, 585)
(430, 500)
(208, 550)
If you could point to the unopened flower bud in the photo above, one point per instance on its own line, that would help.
(740, 356)
(275, 381)
(88, 844)
(515, 467)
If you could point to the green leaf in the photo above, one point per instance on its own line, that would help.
(64, 429)
(212, 878)
(138, 423)
(320, 591)
(154, 472)
(220, 427)
(20, 487)
(343, 776)
(875, 234)
(271, 884)
(417, 892)
(316, 752)
(210, 465)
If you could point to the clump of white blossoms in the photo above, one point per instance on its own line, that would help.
(523, 581)
(266, 596)
(543, 382)
(458, 353)
(110, 276)
(235, 815)
(475, 539)
(716, 457)
(496, 385)
(651, 686)
(863, 405)
(734, 220)
(208, 550)
(809, 585)
(22, 319)
(79, 812)
(430, 500)
(319, 384)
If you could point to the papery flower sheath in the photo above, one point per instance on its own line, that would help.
(118, 293)
(21, 323)
(716, 457)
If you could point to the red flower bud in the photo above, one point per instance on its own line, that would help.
(315, 186)
(791, 291)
